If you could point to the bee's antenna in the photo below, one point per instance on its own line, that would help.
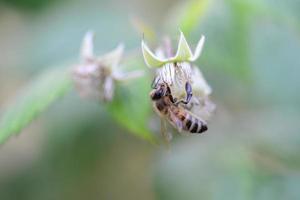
(155, 82)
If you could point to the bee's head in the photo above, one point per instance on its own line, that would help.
(161, 91)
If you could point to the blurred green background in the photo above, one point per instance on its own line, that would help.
(76, 149)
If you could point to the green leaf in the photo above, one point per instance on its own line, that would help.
(33, 100)
(186, 16)
(192, 14)
(131, 106)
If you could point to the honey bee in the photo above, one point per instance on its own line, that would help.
(169, 108)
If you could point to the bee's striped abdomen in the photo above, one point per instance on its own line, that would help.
(194, 125)
(188, 122)
(194, 128)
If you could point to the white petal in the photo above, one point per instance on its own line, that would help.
(87, 47)
(108, 89)
(200, 85)
(198, 49)
(151, 60)
(113, 58)
(160, 53)
(119, 76)
(184, 52)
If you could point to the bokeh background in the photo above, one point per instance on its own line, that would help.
(77, 150)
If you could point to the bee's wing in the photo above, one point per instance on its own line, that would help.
(176, 122)
(164, 132)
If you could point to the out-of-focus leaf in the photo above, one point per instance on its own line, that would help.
(241, 11)
(144, 29)
(29, 5)
(274, 54)
(226, 28)
(192, 14)
(130, 107)
(232, 169)
(186, 16)
(33, 100)
(131, 104)
(227, 32)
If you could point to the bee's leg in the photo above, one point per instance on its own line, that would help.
(173, 100)
(189, 94)
(167, 136)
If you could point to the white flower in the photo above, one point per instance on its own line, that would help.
(183, 54)
(95, 77)
(200, 104)
(178, 70)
